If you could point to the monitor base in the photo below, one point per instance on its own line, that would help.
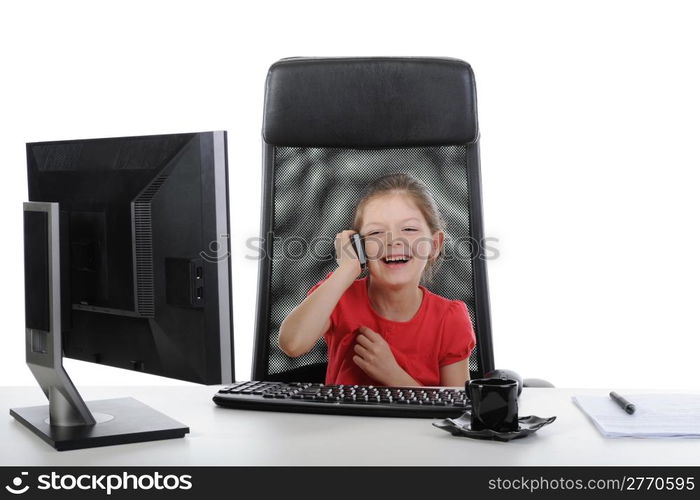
(133, 422)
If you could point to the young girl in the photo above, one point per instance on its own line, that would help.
(386, 329)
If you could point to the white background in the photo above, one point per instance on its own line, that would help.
(589, 114)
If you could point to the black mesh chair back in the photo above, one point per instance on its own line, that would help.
(331, 126)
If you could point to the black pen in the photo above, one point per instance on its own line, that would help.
(622, 402)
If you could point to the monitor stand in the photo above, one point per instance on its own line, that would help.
(67, 422)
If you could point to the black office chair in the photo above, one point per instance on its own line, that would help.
(333, 125)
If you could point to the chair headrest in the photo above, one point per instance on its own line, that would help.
(370, 102)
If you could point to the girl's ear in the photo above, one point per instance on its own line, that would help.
(438, 242)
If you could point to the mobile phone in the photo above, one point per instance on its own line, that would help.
(359, 245)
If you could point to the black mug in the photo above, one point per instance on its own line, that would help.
(494, 404)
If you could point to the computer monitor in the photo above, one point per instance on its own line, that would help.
(127, 262)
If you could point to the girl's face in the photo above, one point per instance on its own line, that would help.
(397, 239)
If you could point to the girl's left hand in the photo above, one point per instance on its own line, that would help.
(373, 355)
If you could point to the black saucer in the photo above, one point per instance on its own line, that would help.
(462, 427)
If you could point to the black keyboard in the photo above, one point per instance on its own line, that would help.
(306, 397)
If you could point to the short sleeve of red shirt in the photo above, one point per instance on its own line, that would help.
(458, 339)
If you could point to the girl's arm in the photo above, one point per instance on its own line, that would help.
(307, 323)
(455, 374)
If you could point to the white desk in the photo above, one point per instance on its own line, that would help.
(235, 437)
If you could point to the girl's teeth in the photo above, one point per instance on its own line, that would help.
(401, 259)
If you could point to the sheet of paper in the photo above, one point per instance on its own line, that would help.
(656, 415)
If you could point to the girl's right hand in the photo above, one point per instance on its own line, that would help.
(345, 254)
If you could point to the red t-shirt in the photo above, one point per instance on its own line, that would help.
(439, 334)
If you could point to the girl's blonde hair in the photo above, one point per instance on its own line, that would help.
(414, 188)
